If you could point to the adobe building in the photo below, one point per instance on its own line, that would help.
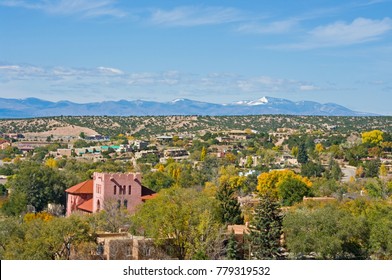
(125, 189)
(124, 246)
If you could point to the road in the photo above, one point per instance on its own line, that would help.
(348, 171)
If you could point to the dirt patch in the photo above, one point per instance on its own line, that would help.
(71, 130)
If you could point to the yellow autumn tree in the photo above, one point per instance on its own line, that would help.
(160, 167)
(210, 189)
(44, 216)
(230, 157)
(294, 151)
(229, 175)
(372, 137)
(319, 148)
(203, 154)
(248, 131)
(51, 162)
(383, 170)
(284, 185)
(360, 173)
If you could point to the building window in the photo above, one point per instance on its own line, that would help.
(129, 189)
(98, 205)
(115, 190)
(129, 251)
(122, 190)
(126, 203)
(118, 204)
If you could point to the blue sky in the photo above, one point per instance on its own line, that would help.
(216, 51)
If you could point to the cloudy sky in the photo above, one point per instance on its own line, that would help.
(216, 51)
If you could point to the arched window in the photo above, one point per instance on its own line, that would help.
(115, 190)
(126, 203)
(98, 205)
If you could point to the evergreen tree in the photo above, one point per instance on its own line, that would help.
(302, 155)
(232, 248)
(229, 207)
(336, 171)
(266, 230)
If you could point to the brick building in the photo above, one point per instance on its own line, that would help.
(125, 189)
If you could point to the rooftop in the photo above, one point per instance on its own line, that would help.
(85, 187)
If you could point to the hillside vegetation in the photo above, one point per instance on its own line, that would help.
(153, 125)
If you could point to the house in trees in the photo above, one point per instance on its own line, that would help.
(124, 246)
(4, 144)
(124, 189)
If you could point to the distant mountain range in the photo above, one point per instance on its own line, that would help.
(33, 107)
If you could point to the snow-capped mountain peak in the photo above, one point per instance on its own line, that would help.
(260, 101)
(27, 108)
(177, 100)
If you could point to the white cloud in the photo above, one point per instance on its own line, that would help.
(9, 67)
(80, 82)
(196, 16)
(108, 70)
(360, 30)
(267, 85)
(84, 8)
(275, 27)
(308, 88)
(21, 71)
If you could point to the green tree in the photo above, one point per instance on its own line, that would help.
(111, 218)
(184, 217)
(374, 188)
(38, 184)
(371, 168)
(55, 239)
(249, 162)
(3, 190)
(283, 185)
(10, 228)
(326, 231)
(158, 180)
(229, 208)
(152, 159)
(15, 204)
(232, 248)
(81, 144)
(302, 155)
(380, 221)
(266, 230)
(335, 170)
(311, 169)
(292, 191)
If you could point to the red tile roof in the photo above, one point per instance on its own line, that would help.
(86, 206)
(147, 193)
(85, 187)
(147, 197)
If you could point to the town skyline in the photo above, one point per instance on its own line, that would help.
(216, 52)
